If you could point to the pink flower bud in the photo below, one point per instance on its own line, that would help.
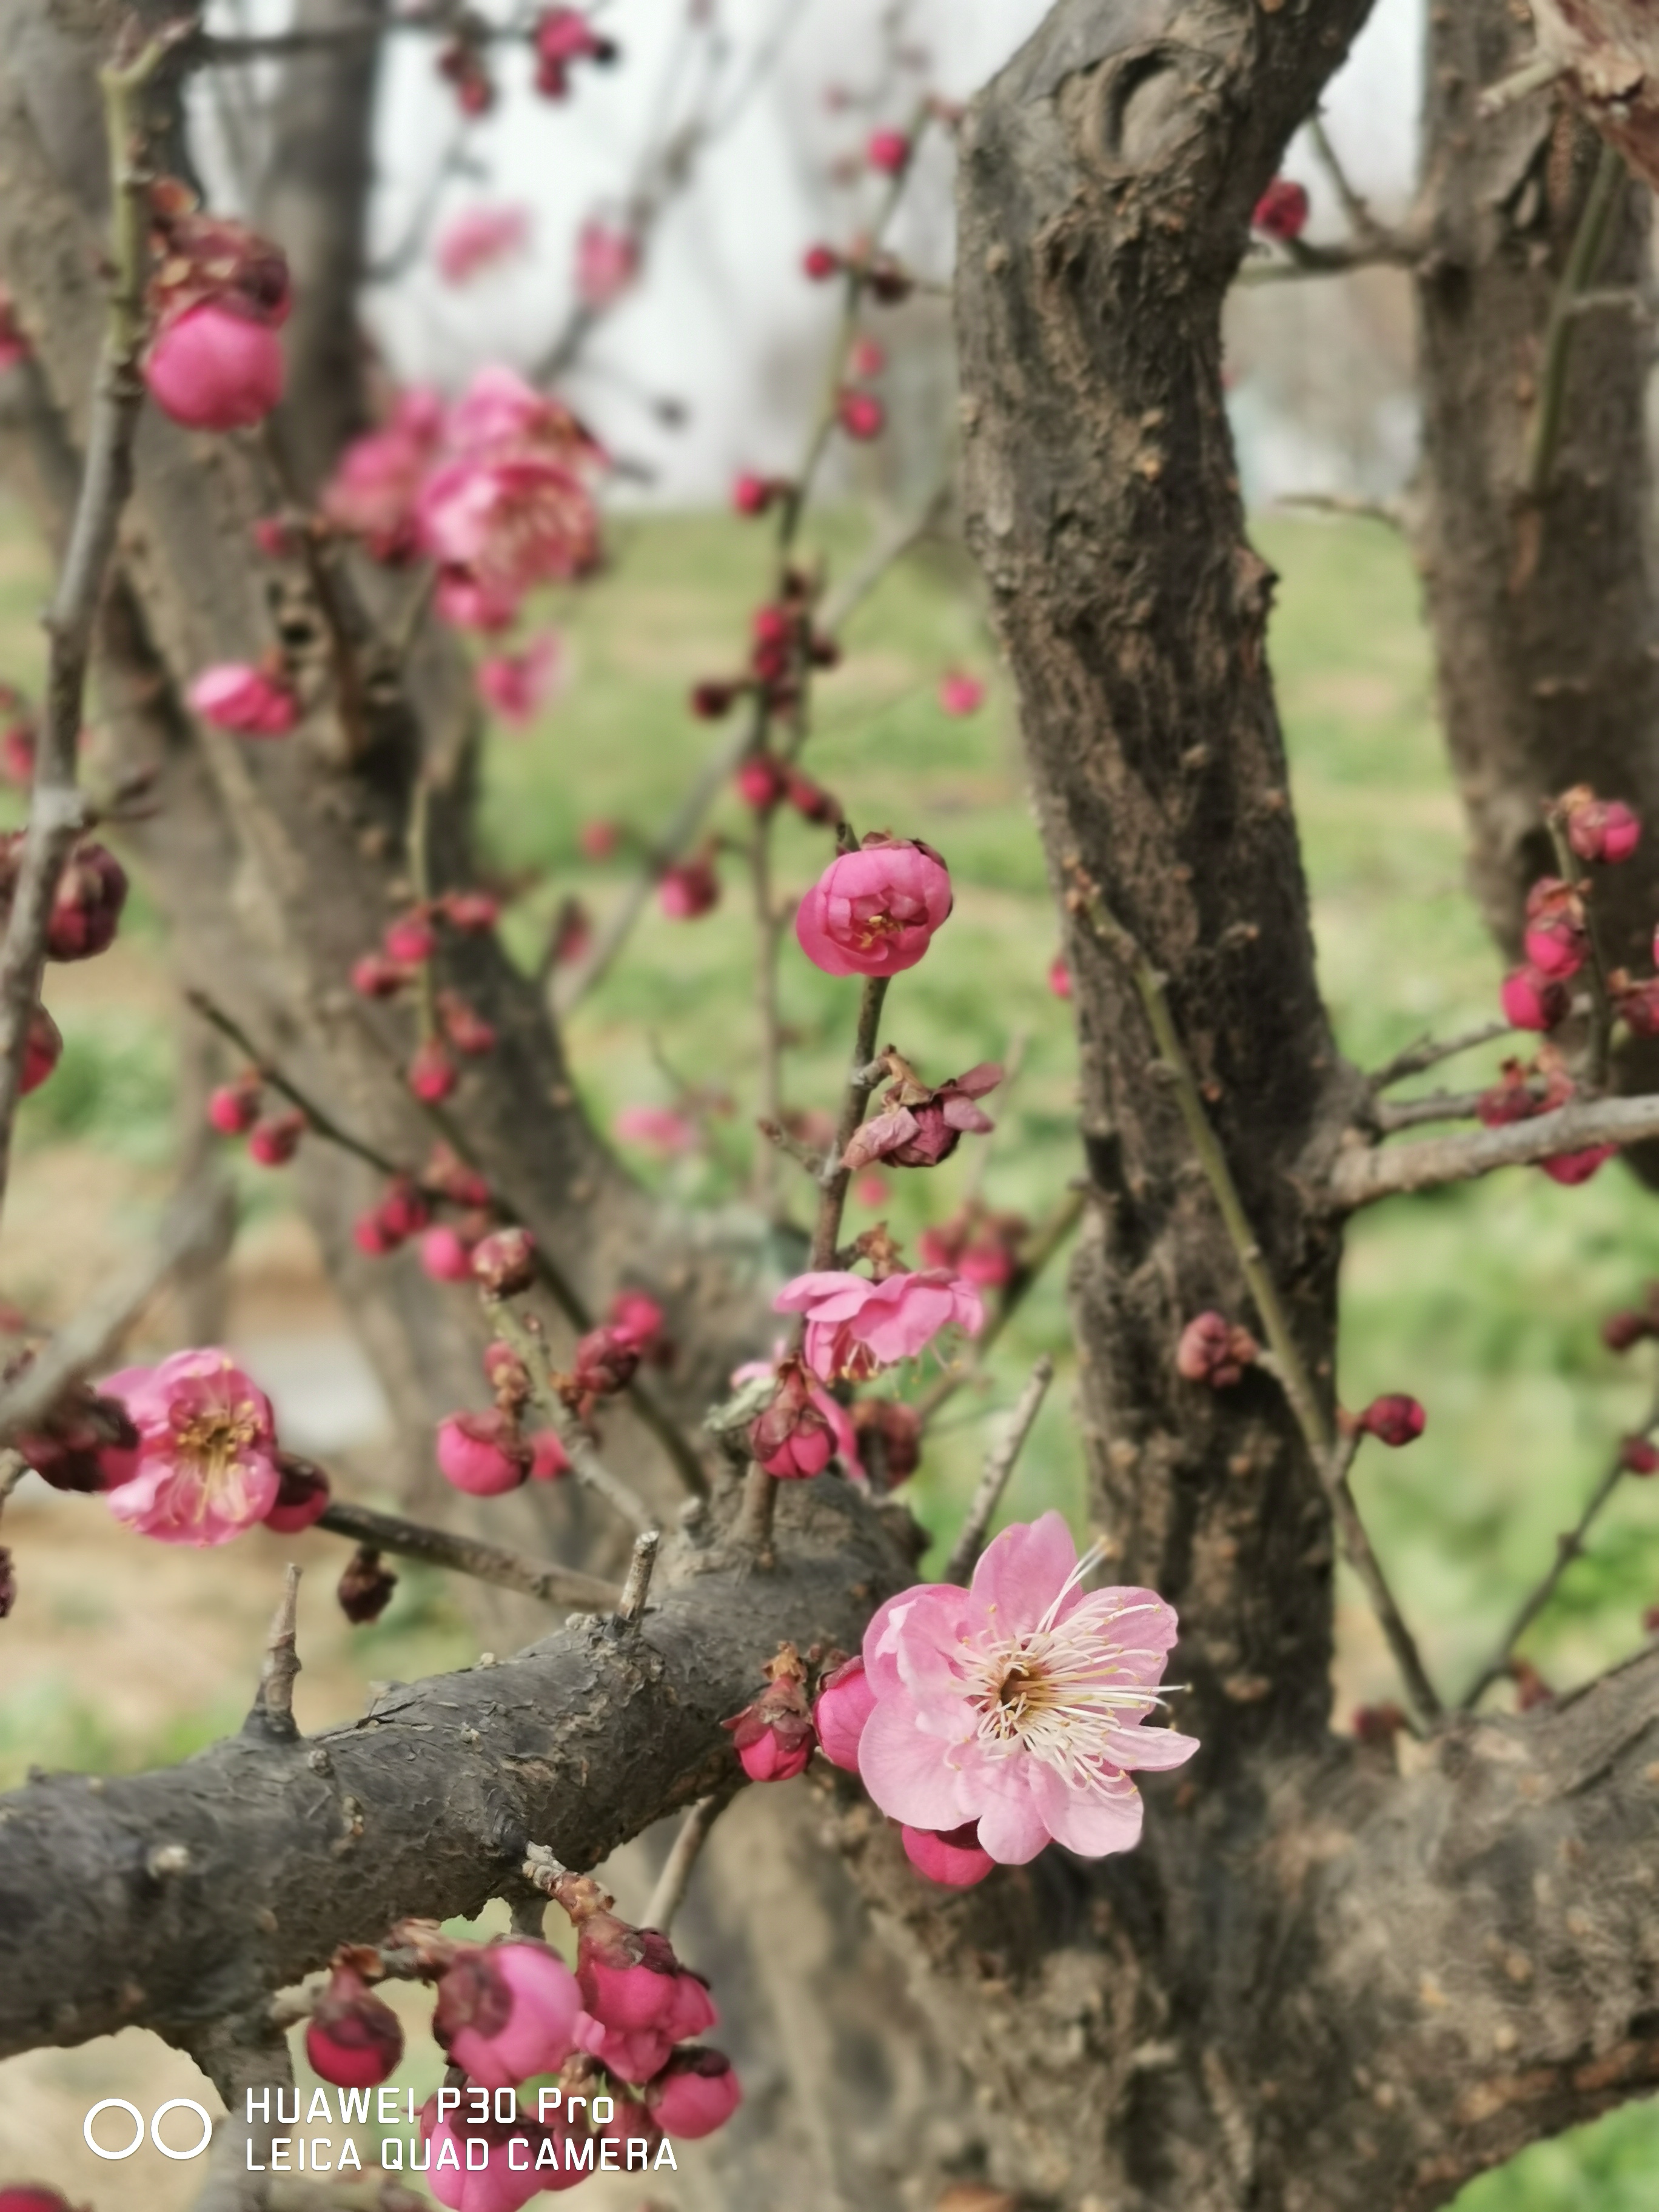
(1059, 977)
(302, 1496)
(212, 368)
(1571, 1168)
(600, 840)
(709, 700)
(1603, 829)
(374, 977)
(1555, 940)
(820, 263)
(403, 1210)
(752, 494)
(1639, 1455)
(887, 152)
(810, 800)
(548, 1458)
(695, 2093)
(1282, 210)
(688, 890)
(466, 1030)
(432, 1073)
(475, 911)
(370, 1236)
(28, 2197)
(1531, 1001)
(483, 1453)
(1393, 1421)
(507, 2012)
(234, 1108)
(862, 414)
(868, 358)
(411, 940)
(354, 2038)
(87, 906)
(445, 1256)
(803, 1428)
(1212, 1350)
(844, 1703)
(505, 1261)
(773, 1737)
(636, 1315)
(631, 1981)
(874, 912)
(953, 1857)
(605, 1361)
(273, 1142)
(761, 783)
(234, 696)
(959, 694)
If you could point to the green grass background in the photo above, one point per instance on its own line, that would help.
(1485, 1302)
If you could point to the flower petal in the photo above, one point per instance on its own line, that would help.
(1152, 1749)
(1022, 1572)
(1086, 1823)
(1012, 1824)
(908, 1773)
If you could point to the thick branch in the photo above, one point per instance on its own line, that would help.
(424, 1807)
(1361, 1176)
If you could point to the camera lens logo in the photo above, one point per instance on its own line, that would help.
(139, 2131)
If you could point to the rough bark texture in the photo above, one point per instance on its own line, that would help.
(1542, 610)
(1608, 50)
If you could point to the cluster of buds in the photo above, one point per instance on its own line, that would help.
(403, 1210)
(765, 783)
(1525, 1090)
(1556, 934)
(1215, 1351)
(982, 1247)
(918, 1126)
(218, 294)
(410, 940)
(559, 38)
(237, 1109)
(774, 1736)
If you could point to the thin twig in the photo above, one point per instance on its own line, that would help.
(1429, 1052)
(527, 1340)
(1568, 1548)
(866, 1073)
(1437, 1106)
(1584, 259)
(670, 1893)
(1354, 205)
(56, 811)
(637, 1588)
(1332, 1457)
(1533, 76)
(1387, 249)
(1360, 1176)
(193, 1224)
(999, 1466)
(465, 1555)
(1389, 511)
(273, 1701)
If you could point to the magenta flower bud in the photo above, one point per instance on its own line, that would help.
(887, 152)
(845, 1701)
(302, 1495)
(862, 414)
(432, 1073)
(1533, 1001)
(234, 1108)
(1603, 829)
(761, 783)
(467, 1030)
(446, 1257)
(213, 369)
(1393, 1421)
(628, 2054)
(751, 494)
(803, 1429)
(605, 1362)
(960, 694)
(371, 1237)
(810, 800)
(1059, 977)
(820, 263)
(411, 940)
(507, 2012)
(470, 2162)
(633, 1986)
(953, 1858)
(273, 1142)
(354, 2038)
(249, 701)
(688, 890)
(1639, 1455)
(29, 2196)
(1212, 1350)
(374, 977)
(1555, 940)
(88, 1443)
(505, 1261)
(773, 1737)
(403, 1210)
(483, 1453)
(41, 1052)
(1571, 1168)
(695, 2093)
(1281, 212)
(874, 912)
(86, 907)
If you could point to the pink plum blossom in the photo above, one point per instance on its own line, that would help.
(695, 2093)
(607, 262)
(518, 685)
(956, 1859)
(373, 491)
(482, 1453)
(233, 695)
(207, 1464)
(1019, 1702)
(874, 912)
(478, 237)
(656, 1129)
(855, 1327)
(960, 694)
(1282, 210)
(506, 2011)
(213, 368)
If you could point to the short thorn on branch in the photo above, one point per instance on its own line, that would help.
(272, 1713)
(631, 1606)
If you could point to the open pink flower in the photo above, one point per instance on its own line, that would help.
(372, 493)
(504, 524)
(855, 1327)
(518, 685)
(479, 236)
(233, 695)
(874, 912)
(207, 1464)
(1017, 1703)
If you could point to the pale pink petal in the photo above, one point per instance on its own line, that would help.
(908, 1773)
(980, 1079)
(912, 1640)
(963, 1114)
(1089, 1825)
(1151, 1750)
(1011, 1825)
(1022, 1572)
